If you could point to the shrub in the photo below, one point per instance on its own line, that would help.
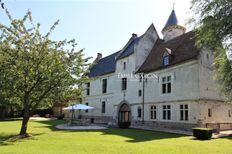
(124, 124)
(60, 117)
(43, 112)
(203, 133)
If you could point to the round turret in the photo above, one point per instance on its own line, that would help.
(172, 29)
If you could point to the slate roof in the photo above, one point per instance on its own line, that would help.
(182, 49)
(129, 49)
(172, 20)
(107, 64)
(104, 66)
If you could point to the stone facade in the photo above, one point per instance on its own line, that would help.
(193, 99)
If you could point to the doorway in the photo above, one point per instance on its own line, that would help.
(124, 113)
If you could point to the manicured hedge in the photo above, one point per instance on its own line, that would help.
(124, 124)
(203, 133)
(43, 112)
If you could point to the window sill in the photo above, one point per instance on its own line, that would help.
(166, 93)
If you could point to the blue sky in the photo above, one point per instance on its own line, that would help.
(98, 25)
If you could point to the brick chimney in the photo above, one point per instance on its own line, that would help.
(99, 56)
(134, 35)
(132, 38)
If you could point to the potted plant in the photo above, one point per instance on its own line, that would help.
(203, 133)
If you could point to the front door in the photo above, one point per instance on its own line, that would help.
(124, 113)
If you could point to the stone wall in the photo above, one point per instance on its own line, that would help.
(170, 125)
(100, 119)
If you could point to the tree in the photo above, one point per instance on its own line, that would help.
(213, 24)
(36, 71)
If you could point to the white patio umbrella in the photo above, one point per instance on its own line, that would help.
(77, 107)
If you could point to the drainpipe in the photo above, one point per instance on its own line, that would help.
(143, 82)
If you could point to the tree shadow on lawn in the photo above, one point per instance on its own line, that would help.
(136, 135)
(133, 135)
(4, 137)
(10, 138)
(51, 124)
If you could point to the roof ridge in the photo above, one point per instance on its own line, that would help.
(110, 55)
(120, 55)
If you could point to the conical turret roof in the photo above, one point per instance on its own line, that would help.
(172, 20)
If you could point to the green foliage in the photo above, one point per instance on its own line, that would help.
(214, 17)
(33, 64)
(224, 73)
(213, 24)
(203, 133)
(36, 71)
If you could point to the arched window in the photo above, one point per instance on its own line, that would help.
(166, 59)
(139, 110)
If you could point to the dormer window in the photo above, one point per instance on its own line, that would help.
(166, 59)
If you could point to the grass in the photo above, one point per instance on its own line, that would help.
(48, 140)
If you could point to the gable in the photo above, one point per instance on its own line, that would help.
(182, 48)
(107, 64)
(129, 49)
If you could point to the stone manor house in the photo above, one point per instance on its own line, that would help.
(157, 82)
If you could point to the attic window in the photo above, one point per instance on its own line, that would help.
(166, 60)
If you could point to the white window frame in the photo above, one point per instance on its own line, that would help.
(87, 88)
(153, 112)
(124, 87)
(139, 108)
(184, 108)
(166, 111)
(166, 80)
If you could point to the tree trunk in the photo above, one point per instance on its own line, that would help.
(26, 116)
(2, 112)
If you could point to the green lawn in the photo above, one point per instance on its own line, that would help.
(48, 140)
